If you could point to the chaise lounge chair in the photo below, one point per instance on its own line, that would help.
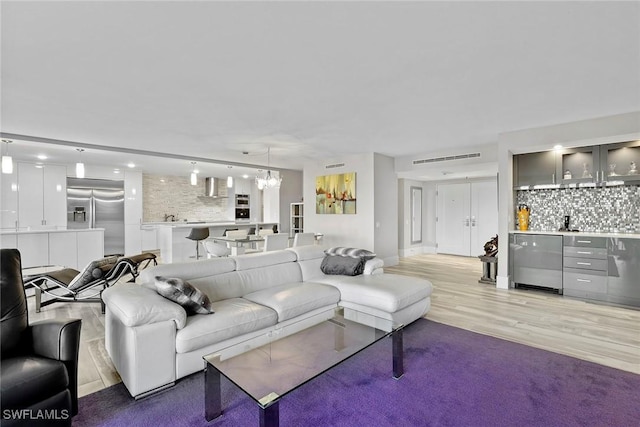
(70, 285)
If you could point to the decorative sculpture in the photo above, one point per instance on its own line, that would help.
(491, 247)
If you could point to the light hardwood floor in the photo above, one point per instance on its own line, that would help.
(599, 333)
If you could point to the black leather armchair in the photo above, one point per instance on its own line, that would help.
(39, 367)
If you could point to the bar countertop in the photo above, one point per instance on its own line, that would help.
(580, 233)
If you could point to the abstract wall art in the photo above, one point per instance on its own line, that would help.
(336, 194)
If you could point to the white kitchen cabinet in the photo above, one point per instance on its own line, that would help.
(34, 249)
(55, 195)
(8, 241)
(133, 212)
(243, 186)
(42, 195)
(63, 249)
(9, 200)
(149, 240)
(90, 246)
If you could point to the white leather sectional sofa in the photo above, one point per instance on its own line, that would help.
(153, 342)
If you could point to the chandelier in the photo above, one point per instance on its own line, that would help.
(268, 179)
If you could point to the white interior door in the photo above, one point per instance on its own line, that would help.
(484, 214)
(453, 219)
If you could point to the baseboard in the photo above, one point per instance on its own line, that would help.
(417, 250)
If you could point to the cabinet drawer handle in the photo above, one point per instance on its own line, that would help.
(584, 252)
(584, 280)
(583, 263)
(584, 241)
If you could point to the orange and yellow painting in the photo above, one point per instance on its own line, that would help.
(336, 194)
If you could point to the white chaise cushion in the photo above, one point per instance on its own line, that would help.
(387, 292)
(233, 317)
(293, 299)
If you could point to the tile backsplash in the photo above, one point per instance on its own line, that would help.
(174, 195)
(606, 209)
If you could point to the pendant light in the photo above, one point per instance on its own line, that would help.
(7, 161)
(268, 180)
(80, 165)
(194, 174)
(229, 178)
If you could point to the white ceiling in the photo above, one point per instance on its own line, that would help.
(310, 79)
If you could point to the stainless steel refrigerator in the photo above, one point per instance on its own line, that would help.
(98, 203)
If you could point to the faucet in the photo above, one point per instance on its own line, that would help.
(166, 218)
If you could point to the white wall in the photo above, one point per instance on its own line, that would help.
(290, 192)
(603, 130)
(355, 230)
(385, 209)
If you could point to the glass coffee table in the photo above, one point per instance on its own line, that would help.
(269, 367)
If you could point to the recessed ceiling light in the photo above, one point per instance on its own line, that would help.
(245, 176)
(42, 156)
(132, 165)
(557, 147)
(39, 165)
(116, 171)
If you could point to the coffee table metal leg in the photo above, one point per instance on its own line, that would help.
(270, 416)
(212, 393)
(398, 353)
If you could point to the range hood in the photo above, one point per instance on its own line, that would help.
(211, 187)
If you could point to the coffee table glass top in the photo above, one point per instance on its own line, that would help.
(277, 363)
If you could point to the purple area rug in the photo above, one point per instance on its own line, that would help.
(452, 377)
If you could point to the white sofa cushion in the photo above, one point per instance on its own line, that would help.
(293, 299)
(263, 259)
(387, 292)
(189, 270)
(232, 317)
(257, 279)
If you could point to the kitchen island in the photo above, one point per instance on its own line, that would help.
(598, 266)
(172, 236)
(55, 246)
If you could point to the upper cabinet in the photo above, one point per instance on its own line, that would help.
(42, 195)
(593, 164)
(620, 162)
(535, 168)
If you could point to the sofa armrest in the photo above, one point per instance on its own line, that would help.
(374, 266)
(136, 305)
(59, 339)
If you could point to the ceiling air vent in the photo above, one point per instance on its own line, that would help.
(335, 165)
(446, 158)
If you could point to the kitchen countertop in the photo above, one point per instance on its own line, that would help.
(191, 224)
(49, 230)
(581, 233)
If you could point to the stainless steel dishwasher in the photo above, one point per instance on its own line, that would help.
(537, 260)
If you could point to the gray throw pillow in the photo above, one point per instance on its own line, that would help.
(183, 293)
(89, 273)
(345, 266)
(350, 252)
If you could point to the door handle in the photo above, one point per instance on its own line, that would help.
(466, 222)
(584, 253)
(584, 280)
(473, 221)
(583, 263)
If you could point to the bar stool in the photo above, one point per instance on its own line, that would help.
(198, 234)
